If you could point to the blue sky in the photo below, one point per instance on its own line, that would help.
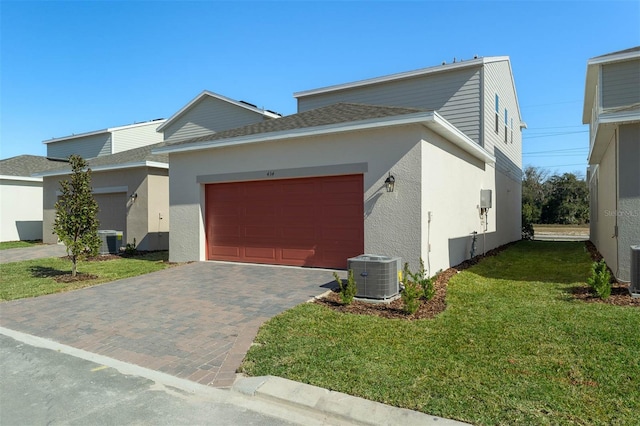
(74, 67)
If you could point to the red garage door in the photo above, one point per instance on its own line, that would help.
(299, 222)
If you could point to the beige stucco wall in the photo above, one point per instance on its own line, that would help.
(431, 175)
(392, 220)
(158, 209)
(20, 209)
(151, 199)
(452, 180)
(603, 224)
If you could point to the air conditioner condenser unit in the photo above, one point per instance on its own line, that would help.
(376, 276)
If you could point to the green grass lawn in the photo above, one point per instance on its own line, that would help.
(36, 277)
(5, 245)
(513, 347)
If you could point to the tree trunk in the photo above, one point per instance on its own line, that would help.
(74, 266)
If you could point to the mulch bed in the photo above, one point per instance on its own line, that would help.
(619, 291)
(68, 278)
(619, 294)
(394, 309)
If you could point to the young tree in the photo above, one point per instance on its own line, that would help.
(76, 220)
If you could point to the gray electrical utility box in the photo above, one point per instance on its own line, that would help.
(485, 199)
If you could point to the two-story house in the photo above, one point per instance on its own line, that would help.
(612, 110)
(410, 165)
(130, 183)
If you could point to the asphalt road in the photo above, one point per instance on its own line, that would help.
(40, 386)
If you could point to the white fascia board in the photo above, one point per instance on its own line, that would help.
(450, 132)
(99, 132)
(131, 126)
(591, 81)
(107, 168)
(614, 57)
(208, 93)
(402, 75)
(604, 130)
(21, 178)
(79, 135)
(295, 133)
(430, 119)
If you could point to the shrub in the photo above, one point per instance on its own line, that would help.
(421, 279)
(131, 249)
(347, 289)
(410, 292)
(600, 279)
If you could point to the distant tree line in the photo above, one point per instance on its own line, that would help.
(558, 199)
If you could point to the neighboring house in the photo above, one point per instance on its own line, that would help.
(21, 197)
(131, 189)
(130, 183)
(209, 113)
(309, 189)
(612, 110)
(106, 141)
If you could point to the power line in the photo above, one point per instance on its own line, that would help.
(564, 165)
(556, 127)
(549, 135)
(555, 150)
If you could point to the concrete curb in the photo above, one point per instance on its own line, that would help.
(343, 408)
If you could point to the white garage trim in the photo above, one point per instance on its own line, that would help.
(155, 164)
(298, 172)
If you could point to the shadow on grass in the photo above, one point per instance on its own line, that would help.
(46, 272)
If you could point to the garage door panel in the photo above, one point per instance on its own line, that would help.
(226, 231)
(298, 256)
(260, 211)
(260, 253)
(300, 222)
(225, 252)
(260, 232)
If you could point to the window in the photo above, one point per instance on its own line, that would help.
(511, 130)
(497, 127)
(506, 122)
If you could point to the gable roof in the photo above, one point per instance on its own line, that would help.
(332, 114)
(26, 165)
(593, 68)
(403, 75)
(207, 94)
(336, 118)
(137, 157)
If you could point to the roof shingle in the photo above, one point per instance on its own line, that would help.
(26, 165)
(330, 115)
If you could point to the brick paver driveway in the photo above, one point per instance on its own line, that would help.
(35, 252)
(194, 321)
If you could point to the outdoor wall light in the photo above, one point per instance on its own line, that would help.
(133, 197)
(390, 182)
